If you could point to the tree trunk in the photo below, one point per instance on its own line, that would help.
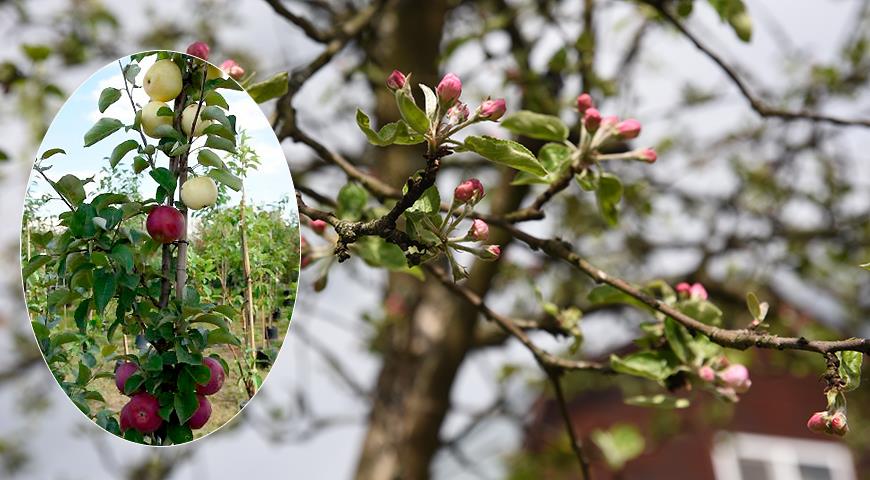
(246, 271)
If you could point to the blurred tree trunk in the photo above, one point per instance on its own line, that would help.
(422, 351)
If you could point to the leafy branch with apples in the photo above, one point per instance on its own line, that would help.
(120, 265)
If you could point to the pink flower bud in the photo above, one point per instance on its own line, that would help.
(457, 113)
(396, 80)
(698, 291)
(839, 425)
(818, 422)
(449, 89)
(592, 120)
(648, 155)
(609, 121)
(706, 374)
(319, 226)
(492, 109)
(494, 251)
(628, 129)
(198, 49)
(736, 376)
(470, 190)
(479, 230)
(233, 69)
(584, 102)
(684, 288)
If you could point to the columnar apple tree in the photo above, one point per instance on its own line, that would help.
(117, 277)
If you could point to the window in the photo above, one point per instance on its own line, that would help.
(749, 456)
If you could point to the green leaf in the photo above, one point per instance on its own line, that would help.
(133, 383)
(123, 255)
(215, 113)
(650, 364)
(219, 336)
(64, 338)
(105, 284)
(609, 194)
(179, 434)
(214, 98)
(226, 178)
(41, 331)
(658, 401)
(210, 159)
(429, 202)
(103, 200)
(108, 96)
(536, 125)
(71, 188)
(131, 70)
(185, 404)
(168, 131)
(389, 134)
(84, 374)
(212, 319)
(619, 444)
(850, 368)
(140, 163)
(377, 252)
(102, 129)
(165, 178)
(122, 149)
(352, 199)
(36, 52)
(701, 310)
(411, 113)
(51, 152)
(431, 102)
(220, 143)
(505, 152)
(266, 90)
(35, 263)
(679, 339)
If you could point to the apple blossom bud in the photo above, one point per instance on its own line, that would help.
(492, 109)
(648, 155)
(818, 422)
(706, 373)
(449, 89)
(736, 376)
(457, 113)
(683, 288)
(396, 80)
(470, 190)
(198, 49)
(479, 230)
(628, 129)
(493, 252)
(233, 69)
(609, 121)
(839, 425)
(592, 120)
(584, 102)
(319, 226)
(698, 291)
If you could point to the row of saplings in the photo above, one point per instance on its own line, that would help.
(162, 83)
(142, 412)
(165, 224)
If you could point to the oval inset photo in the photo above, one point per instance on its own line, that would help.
(160, 248)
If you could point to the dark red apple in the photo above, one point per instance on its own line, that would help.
(126, 420)
(165, 224)
(123, 372)
(143, 414)
(201, 415)
(215, 381)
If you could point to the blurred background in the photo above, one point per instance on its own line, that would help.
(737, 201)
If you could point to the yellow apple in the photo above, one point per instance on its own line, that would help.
(199, 192)
(162, 81)
(187, 120)
(213, 72)
(150, 120)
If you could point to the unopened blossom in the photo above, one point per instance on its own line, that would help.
(479, 230)
(492, 109)
(494, 251)
(818, 422)
(736, 376)
(609, 121)
(706, 373)
(584, 102)
(592, 120)
(628, 129)
(233, 69)
(839, 425)
(469, 190)
(319, 226)
(457, 114)
(396, 80)
(648, 155)
(449, 89)
(198, 49)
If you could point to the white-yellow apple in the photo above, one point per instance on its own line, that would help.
(187, 117)
(199, 192)
(213, 72)
(150, 119)
(162, 81)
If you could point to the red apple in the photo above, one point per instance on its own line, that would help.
(201, 415)
(215, 381)
(165, 224)
(143, 414)
(123, 372)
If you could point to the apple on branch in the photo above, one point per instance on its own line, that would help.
(165, 224)
(187, 117)
(199, 192)
(162, 81)
(150, 119)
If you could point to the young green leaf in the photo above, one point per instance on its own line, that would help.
(102, 129)
(505, 152)
(352, 199)
(71, 188)
(411, 113)
(120, 150)
(536, 125)
(108, 96)
(273, 87)
(609, 194)
(226, 178)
